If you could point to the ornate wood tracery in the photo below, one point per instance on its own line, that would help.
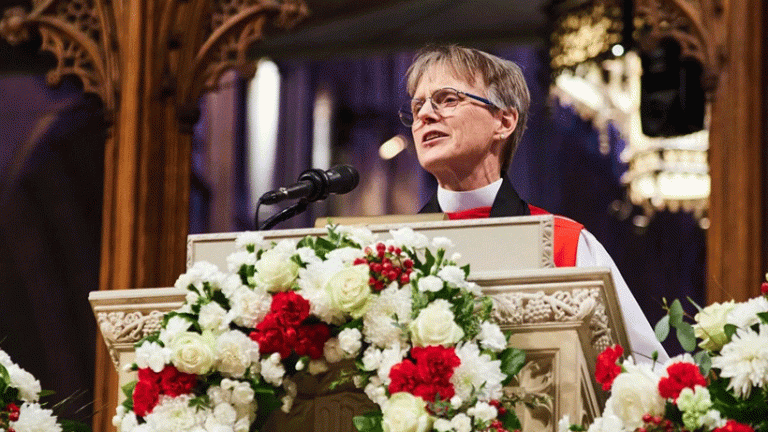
(148, 61)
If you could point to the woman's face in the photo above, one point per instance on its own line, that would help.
(461, 144)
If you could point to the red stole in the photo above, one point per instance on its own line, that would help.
(567, 232)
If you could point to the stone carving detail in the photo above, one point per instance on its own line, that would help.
(127, 328)
(536, 380)
(517, 308)
(548, 244)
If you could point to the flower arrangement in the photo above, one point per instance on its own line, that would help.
(722, 388)
(20, 408)
(417, 332)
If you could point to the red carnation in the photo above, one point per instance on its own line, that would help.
(404, 376)
(607, 368)
(734, 426)
(273, 337)
(145, 396)
(175, 383)
(147, 374)
(311, 340)
(291, 309)
(681, 375)
(436, 363)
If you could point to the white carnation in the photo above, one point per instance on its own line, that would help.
(213, 317)
(443, 243)
(175, 325)
(477, 371)
(607, 423)
(442, 425)
(25, 382)
(390, 357)
(372, 358)
(350, 341)
(389, 312)
(346, 255)
(249, 306)
(491, 337)
(483, 411)
(33, 418)
(247, 238)
(5, 359)
(430, 284)
(308, 255)
(455, 276)
(408, 238)
(272, 370)
(317, 366)
(361, 236)
(461, 423)
(376, 391)
(332, 351)
(152, 355)
(235, 352)
(236, 260)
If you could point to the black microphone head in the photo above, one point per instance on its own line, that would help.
(342, 179)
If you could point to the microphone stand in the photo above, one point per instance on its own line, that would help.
(286, 214)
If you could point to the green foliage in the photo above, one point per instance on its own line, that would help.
(704, 361)
(730, 330)
(676, 313)
(368, 422)
(686, 336)
(128, 392)
(267, 401)
(763, 317)
(73, 426)
(753, 410)
(698, 308)
(662, 328)
(510, 421)
(512, 360)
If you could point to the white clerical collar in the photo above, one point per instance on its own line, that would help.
(452, 201)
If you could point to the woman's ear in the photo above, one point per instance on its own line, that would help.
(508, 123)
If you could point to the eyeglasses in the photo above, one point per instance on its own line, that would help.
(443, 102)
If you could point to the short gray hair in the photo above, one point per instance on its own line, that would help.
(503, 79)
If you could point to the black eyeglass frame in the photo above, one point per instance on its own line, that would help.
(406, 114)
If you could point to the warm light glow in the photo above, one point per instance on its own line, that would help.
(263, 102)
(617, 50)
(392, 147)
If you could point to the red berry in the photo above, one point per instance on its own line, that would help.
(380, 247)
(764, 288)
(387, 265)
(397, 271)
(641, 429)
(408, 263)
(647, 418)
(390, 249)
(381, 254)
(656, 420)
(404, 279)
(398, 251)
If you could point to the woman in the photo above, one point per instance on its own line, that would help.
(467, 115)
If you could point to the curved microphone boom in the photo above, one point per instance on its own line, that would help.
(316, 184)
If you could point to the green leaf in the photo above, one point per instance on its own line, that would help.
(704, 361)
(46, 393)
(368, 422)
(729, 330)
(429, 261)
(510, 421)
(763, 317)
(686, 336)
(512, 360)
(698, 308)
(662, 328)
(4, 376)
(73, 426)
(676, 313)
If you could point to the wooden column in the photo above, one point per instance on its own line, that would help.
(728, 39)
(148, 61)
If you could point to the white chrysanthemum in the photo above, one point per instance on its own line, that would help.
(33, 418)
(253, 238)
(389, 312)
(607, 423)
(390, 357)
(272, 370)
(235, 352)
(213, 317)
(175, 325)
(350, 341)
(312, 281)
(491, 337)
(249, 306)
(152, 355)
(430, 284)
(346, 255)
(25, 382)
(483, 411)
(408, 238)
(235, 260)
(745, 360)
(361, 236)
(477, 372)
(744, 315)
(5, 359)
(173, 414)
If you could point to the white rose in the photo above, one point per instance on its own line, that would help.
(350, 341)
(193, 353)
(710, 325)
(275, 271)
(491, 337)
(430, 284)
(633, 394)
(152, 355)
(235, 352)
(349, 290)
(404, 412)
(435, 326)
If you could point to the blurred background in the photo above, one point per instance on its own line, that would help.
(327, 93)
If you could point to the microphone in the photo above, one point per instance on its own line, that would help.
(316, 184)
